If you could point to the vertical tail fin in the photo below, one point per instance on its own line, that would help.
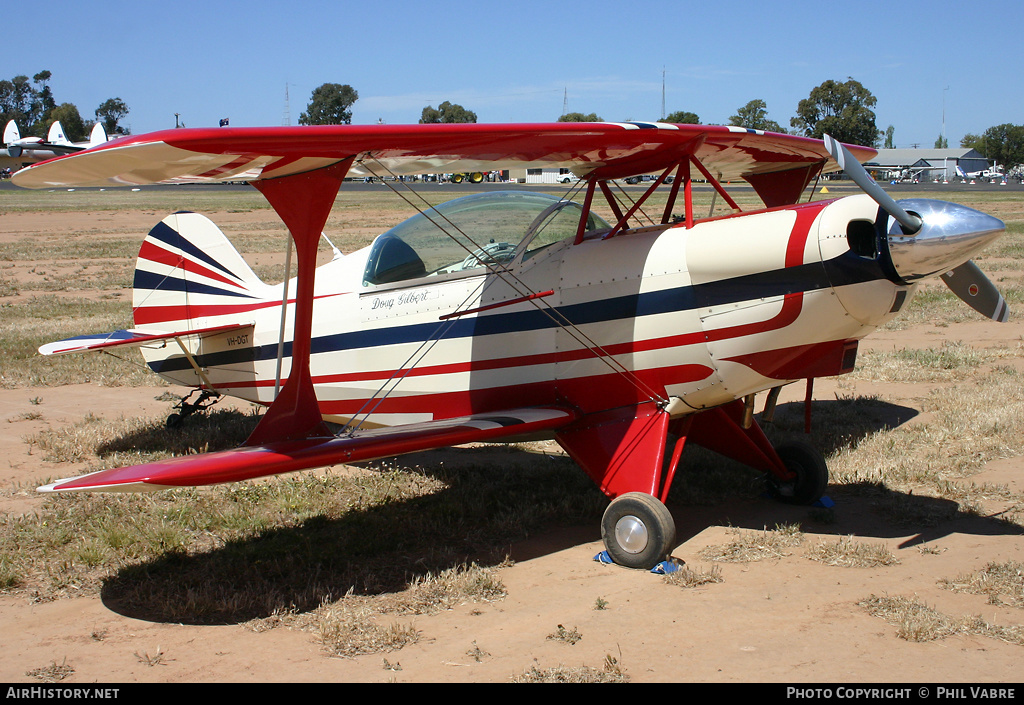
(98, 135)
(11, 132)
(188, 274)
(56, 135)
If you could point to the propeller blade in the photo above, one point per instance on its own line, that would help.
(976, 290)
(849, 164)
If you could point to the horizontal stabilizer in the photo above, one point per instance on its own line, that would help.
(129, 338)
(289, 456)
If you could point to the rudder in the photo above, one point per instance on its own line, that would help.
(188, 274)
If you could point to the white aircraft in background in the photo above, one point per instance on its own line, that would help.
(56, 144)
(993, 173)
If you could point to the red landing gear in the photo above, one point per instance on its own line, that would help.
(623, 452)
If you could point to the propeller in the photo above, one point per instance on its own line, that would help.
(976, 290)
(965, 280)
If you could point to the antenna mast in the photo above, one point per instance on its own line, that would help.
(662, 92)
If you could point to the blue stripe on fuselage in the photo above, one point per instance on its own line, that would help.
(844, 270)
(165, 282)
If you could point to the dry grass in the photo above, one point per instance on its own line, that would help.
(848, 553)
(1003, 583)
(971, 423)
(567, 636)
(952, 361)
(610, 672)
(915, 621)
(749, 546)
(351, 626)
(53, 673)
(687, 577)
(346, 555)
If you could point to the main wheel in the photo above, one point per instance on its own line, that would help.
(638, 530)
(811, 475)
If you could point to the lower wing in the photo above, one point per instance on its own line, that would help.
(289, 456)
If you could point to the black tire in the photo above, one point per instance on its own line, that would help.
(638, 530)
(811, 475)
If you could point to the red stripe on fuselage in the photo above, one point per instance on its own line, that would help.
(162, 314)
(585, 393)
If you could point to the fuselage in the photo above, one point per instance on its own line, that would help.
(707, 314)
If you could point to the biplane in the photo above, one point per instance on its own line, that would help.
(508, 314)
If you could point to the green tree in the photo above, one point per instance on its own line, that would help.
(44, 102)
(18, 103)
(110, 112)
(843, 110)
(682, 117)
(447, 112)
(580, 117)
(330, 104)
(889, 141)
(71, 120)
(755, 116)
(1003, 144)
(972, 141)
(941, 142)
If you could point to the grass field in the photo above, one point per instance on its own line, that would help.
(402, 537)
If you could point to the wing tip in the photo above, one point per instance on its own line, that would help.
(79, 484)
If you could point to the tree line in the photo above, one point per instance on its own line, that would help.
(31, 104)
(843, 109)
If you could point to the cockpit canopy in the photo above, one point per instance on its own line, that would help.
(473, 231)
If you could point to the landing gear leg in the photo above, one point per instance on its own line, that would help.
(811, 475)
(638, 530)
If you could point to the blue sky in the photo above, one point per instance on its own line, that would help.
(518, 60)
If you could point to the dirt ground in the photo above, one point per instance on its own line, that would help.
(786, 620)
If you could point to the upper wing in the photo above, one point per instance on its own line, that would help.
(602, 150)
(288, 456)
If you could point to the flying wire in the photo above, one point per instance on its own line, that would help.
(518, 286)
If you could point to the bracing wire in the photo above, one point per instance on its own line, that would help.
(516, 284)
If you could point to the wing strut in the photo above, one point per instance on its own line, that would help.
(303, 201)
(636, 206)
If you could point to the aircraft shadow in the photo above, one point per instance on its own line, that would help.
(487, 499)
(500, 502)
(866, 510)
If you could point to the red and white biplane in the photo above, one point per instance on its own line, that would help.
(511, 314)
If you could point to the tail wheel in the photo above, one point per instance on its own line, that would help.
(811, 475)
(638, 530)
